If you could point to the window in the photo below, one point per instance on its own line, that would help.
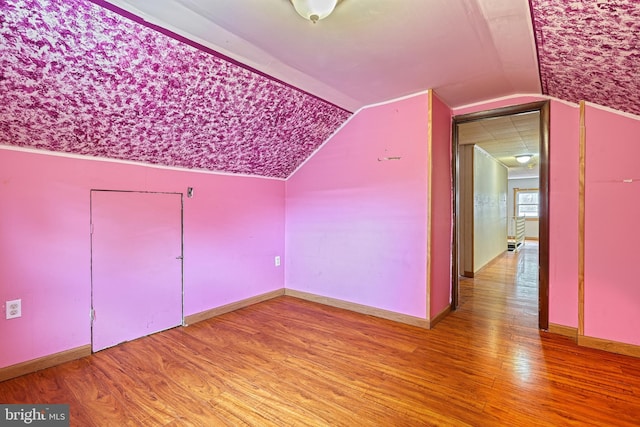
(526, 202)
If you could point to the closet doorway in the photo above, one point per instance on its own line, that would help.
(136, 265)
(461, 224)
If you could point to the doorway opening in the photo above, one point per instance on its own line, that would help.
(461, 227)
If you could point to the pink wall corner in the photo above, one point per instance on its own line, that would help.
(612, 202)
(441, 207)
(356, 220)
(233, 232)
(233, 228)
(563, 205)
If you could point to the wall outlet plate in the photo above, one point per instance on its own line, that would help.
(14, 308)
(277, 261)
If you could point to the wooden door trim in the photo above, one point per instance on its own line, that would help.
(581, 217)
(543, 107)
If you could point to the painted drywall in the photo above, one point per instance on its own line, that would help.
(233, 228)
(563, 203)
(356, 212)
(441, 221)
(531, 226)
(489, 208)
(563, 213)
(612, 233)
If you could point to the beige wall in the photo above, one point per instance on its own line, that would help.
(489, 208)
(483, 191)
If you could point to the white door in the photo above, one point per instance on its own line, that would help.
(136, 265)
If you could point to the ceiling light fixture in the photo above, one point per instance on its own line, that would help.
(523, 158)
(314, 10)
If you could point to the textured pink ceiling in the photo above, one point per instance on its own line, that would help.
(590, 50)
(78, 78)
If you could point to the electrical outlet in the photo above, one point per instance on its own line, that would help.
(277, 261)
(14, 308)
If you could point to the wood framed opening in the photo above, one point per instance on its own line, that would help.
(543, 107)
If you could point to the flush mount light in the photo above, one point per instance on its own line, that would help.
(314, 10)
(524, 158)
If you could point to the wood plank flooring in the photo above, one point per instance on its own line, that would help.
(288, 362)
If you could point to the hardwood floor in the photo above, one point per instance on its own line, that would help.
(289, 362)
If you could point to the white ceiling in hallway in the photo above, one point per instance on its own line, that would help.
(506, 137)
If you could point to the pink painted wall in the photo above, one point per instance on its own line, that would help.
(441, 207)
(563, 205)
(356, 226)
(564, 151)
(233, 228)
(612, 233)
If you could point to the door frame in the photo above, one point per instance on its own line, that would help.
(543, 107)
(91, 191)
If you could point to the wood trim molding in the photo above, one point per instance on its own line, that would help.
(544, 196)
(543, 277)
(581, 218)
(359, 308)
(208, 314)
(565, 331)
(429, 198)
(610, 346)
(440, 316)
(44, 362)
(455, 217)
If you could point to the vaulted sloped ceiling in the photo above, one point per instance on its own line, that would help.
(249, 87)
(590, 50)
(78, 78)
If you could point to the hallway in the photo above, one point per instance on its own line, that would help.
(506, 289)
